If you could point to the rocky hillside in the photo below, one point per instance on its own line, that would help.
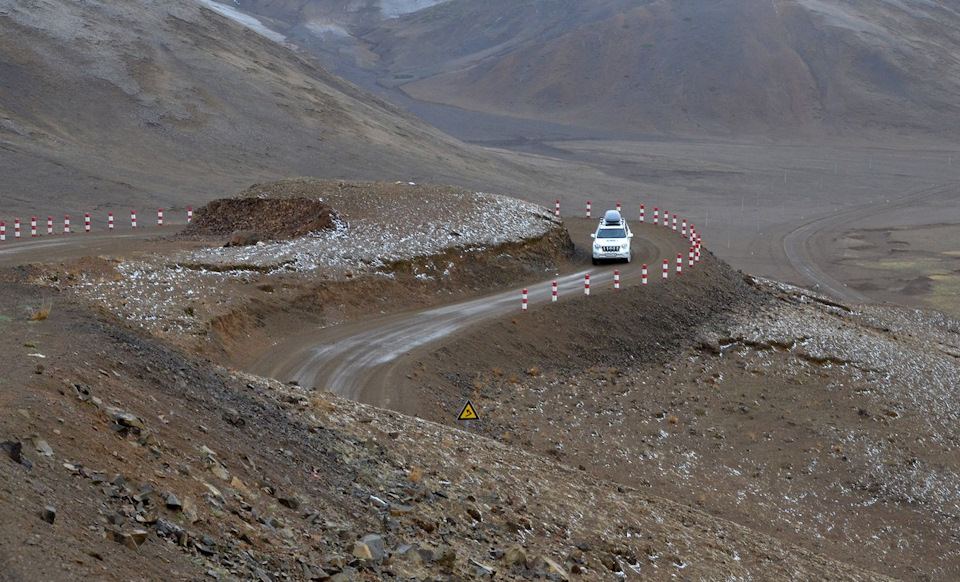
(709, 424)
(125, 456)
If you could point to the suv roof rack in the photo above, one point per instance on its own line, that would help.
(612, 218)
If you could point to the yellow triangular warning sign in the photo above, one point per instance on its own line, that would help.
(468, 412)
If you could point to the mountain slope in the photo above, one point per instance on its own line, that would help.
(787, 68)
(172, 103)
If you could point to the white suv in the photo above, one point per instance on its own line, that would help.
(612, 239)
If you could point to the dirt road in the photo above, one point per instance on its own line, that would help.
(813, 238)
(57, 247)
(357, 360)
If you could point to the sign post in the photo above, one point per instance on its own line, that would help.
(468, 413)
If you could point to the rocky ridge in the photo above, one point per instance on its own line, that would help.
(132, 455)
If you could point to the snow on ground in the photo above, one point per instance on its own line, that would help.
(176, 294)
(246, 20)
(397, 8)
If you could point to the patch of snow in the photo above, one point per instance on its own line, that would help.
(246, 20)
(398, 8)
(326, 30)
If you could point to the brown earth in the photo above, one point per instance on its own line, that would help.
(271, 219)
(743, 452)
(622, 433)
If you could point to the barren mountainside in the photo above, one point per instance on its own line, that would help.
(171, 103)
(785, 69)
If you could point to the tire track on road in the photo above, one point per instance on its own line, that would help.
(357, 360)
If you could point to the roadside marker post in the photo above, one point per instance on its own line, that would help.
(86, 222)
(618, 207)
(616, 279)
(656, 216)
(159, 216)
(33, 226)
(16, 228)
(588, 209)
(643, 273)
(49, 225)
(133, 219)
(110, 221)
(666, 219)
(674, 223)
(554, 291)
(66, 224)
(586, 284)
(189, 214)
(666, 267)
(679, 262)
(690, 262)
(523, 301)
(3, 231)
(683, 231)
(557, 211)
(641, 213)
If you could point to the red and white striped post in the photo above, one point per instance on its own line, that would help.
(683, 231)
(696, 255)
(666, 267)
(641, 213)
(557, 211)
(3, 231)
(666, 219)
(656, 216)
(133, 219)
(86, 222)
(49, 225)
(554, 291)
(674, 223)
(16, 228)
(690, 261)
(618, 207)
(586, 284)
(33, 226)
(66, 224)
(523, 300)
(189, 213)
(616, 279)
(110, 221)
(588, 209)
(643, 273)
(679, 263)
(159, 216)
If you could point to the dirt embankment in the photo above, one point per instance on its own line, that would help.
(639, 326)
(270, 219)
(276, 303)
(247, 330)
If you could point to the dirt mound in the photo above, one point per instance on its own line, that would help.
(269, 218)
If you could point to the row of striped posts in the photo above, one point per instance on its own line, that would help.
(686, 231)
(86, 223)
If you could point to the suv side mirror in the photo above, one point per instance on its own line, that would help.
(593, 235)
(630, 235)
